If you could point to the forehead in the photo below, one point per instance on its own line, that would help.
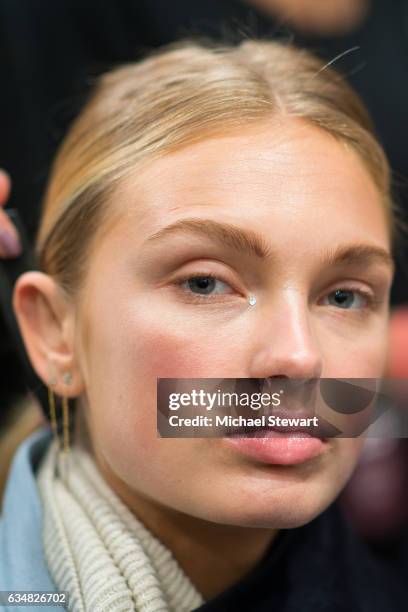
(285, 175)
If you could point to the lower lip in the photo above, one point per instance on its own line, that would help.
(279, 448)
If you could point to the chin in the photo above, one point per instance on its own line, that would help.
(292, 507)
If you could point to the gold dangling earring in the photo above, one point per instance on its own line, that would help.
(53, 412)
(67, 378)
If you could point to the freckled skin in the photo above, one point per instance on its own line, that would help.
(303, 192)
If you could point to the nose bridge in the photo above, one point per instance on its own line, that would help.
(286, 344)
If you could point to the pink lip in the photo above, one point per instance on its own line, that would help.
(278, 448)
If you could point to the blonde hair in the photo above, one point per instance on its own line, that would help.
(178, 95)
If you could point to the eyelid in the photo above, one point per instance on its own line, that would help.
(211, 299)
(370, 296)
(207, 268)
(180, 281)
(351, 285)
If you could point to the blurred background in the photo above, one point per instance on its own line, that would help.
(50, 53)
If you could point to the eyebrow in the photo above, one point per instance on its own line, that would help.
(358, 254)
(242, 241)
(249, 242)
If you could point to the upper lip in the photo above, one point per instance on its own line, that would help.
(323, 430)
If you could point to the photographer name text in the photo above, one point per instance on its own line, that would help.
(240, 421)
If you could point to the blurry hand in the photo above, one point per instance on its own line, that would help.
(321, 17)
(10, 245)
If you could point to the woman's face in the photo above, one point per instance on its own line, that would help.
(310, 201)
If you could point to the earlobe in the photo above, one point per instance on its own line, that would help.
(46, 321)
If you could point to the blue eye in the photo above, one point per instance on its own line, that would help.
(348, 299)
(204, 285)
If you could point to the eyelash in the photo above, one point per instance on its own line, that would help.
(196, 297)
(371, 301)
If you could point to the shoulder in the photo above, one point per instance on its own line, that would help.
(22, 562)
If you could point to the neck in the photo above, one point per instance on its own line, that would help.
(212, 555)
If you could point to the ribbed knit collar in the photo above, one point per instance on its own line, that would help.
(97, 550)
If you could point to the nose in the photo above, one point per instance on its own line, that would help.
(284, 343)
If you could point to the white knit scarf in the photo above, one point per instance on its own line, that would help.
(97, 550)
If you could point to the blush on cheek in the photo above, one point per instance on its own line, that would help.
(373, 361)
(170, 355)
(363, 358)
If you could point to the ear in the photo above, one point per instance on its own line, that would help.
(46, 319)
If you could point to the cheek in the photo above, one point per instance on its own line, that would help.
(128, 351)
(348, 452)
(361, 354)
(186, 346)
